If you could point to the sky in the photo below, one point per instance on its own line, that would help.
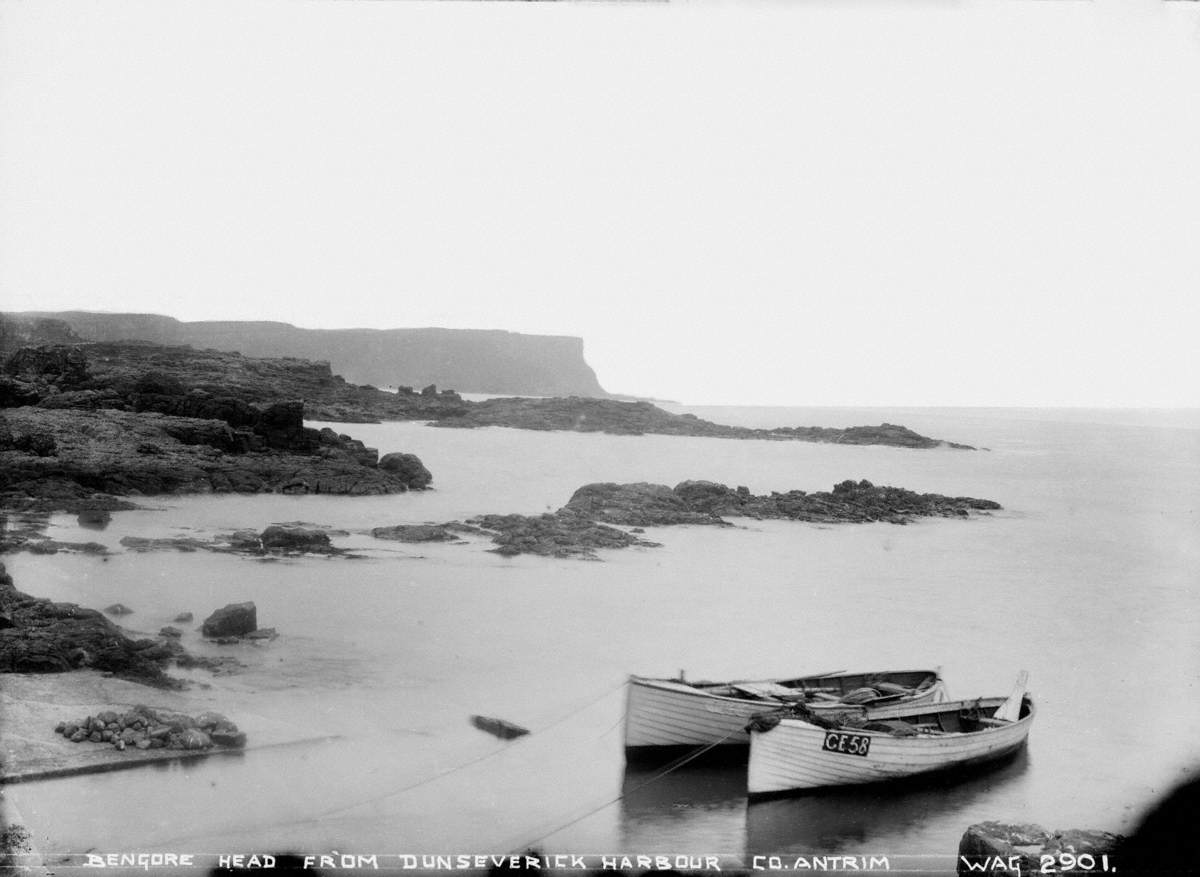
(812, 203)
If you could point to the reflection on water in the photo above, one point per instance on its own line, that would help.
(393, 652)
(706, 806)
(852, 819)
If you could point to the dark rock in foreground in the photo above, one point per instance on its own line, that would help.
(999, 848)
(1162, 844)
(234, 619)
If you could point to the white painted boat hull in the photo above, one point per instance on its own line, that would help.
(666, 713)
(793, 755)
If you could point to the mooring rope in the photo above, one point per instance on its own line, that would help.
(670, 768)
(422, 782)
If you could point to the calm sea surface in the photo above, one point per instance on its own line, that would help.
(1088, 578)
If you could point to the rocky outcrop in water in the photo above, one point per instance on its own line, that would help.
(704, 502)
(562, 534)
(423, 532)
(41, 636)
(595, 514)
(577, 414)
(407, 467)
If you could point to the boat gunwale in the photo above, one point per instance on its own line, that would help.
(678, 686)
(974, 746)
(945, 706)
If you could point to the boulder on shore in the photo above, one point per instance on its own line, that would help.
(143, 728)
(234, 619)
(1008, 850)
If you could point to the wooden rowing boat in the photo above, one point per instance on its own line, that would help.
(665, 713)
(895, 742)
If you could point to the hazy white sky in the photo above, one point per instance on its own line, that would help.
(809, 203)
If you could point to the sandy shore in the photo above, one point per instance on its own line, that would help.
(32, 704)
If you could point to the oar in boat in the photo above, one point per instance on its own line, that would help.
(1010, 710)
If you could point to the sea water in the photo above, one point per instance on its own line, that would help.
(1087, 578)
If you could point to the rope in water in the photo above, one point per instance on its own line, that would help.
(670, 768)
(422, 782)
(463, 765)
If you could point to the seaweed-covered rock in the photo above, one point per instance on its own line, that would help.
(417, 533)
(559, 535)
(278, 537)
(635, 505)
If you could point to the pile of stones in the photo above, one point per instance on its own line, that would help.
(146, 728)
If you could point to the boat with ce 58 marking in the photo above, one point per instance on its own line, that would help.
(665, 713)
(790, 754)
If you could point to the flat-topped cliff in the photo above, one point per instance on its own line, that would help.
(470, 360)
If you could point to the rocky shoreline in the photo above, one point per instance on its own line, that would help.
(80, 430)
(594, 516)
(597, 516)
(580, 414)
(84, 423)
(38, 635)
